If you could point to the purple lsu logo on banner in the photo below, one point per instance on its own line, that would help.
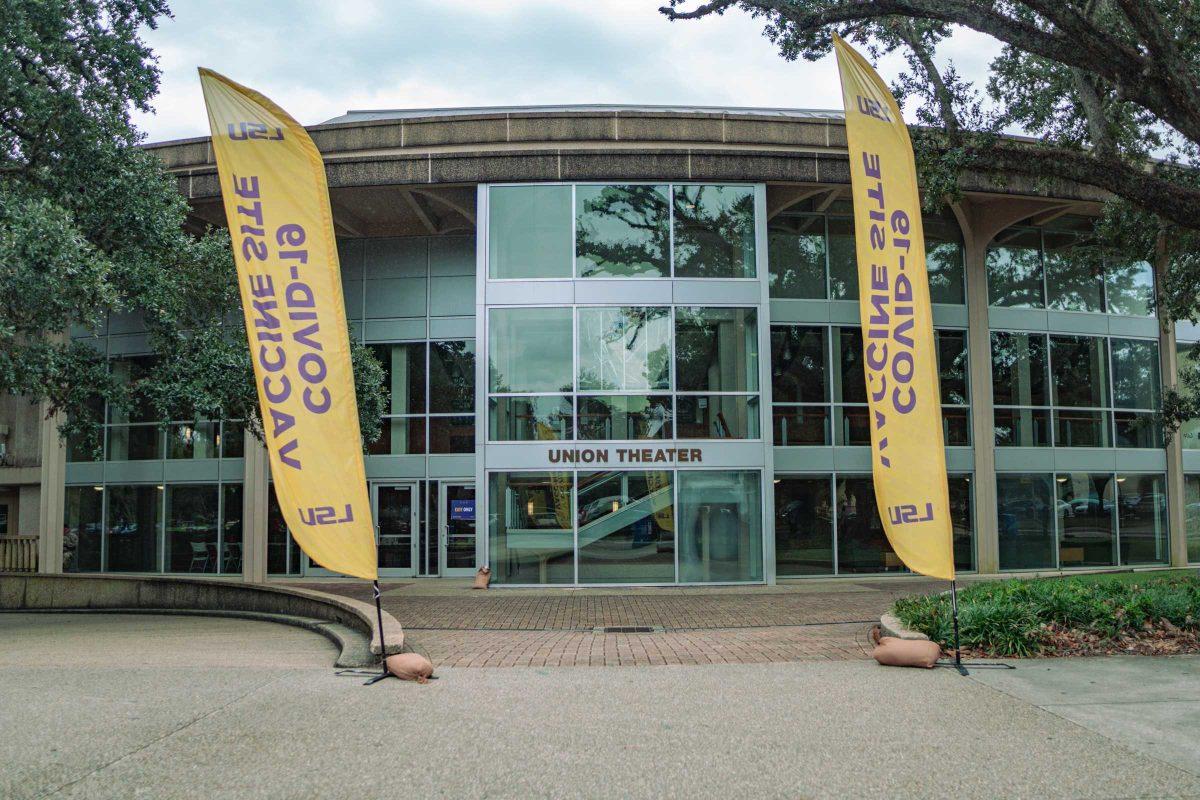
(902, 514)
(325, 515)
(873, 108)
(254, 130)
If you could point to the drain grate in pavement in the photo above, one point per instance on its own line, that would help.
(628, 629)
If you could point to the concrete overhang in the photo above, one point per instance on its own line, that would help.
(414, 172)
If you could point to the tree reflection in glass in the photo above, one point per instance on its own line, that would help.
(1014, 270)
(625, 348)
(622, 231)
(714, 232)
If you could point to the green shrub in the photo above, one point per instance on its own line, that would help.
(1011, 617)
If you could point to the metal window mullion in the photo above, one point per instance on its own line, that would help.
(833, 504)
(103, 529)
(220, 526)
(162, 531)
(675, 513)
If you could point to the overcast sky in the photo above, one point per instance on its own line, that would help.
(319, 58)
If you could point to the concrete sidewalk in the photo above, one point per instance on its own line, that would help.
(1149, 704)
(136, 722)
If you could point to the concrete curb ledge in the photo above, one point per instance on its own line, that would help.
(351, 624)
(891, 626)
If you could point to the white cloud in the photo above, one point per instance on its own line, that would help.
(318, 58)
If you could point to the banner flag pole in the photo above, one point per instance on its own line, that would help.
(382, 643)
(954, 611)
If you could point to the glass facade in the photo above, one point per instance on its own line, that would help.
(1075, 391)
(1056, 268)
(819, 391)
(590, 377)
(829, 525)
(431, 392)
(1081, 519)
(635, 372)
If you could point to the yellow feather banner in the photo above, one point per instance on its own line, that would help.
(277, 205)
(908, 459)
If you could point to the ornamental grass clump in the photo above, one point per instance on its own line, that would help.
(1063, 616)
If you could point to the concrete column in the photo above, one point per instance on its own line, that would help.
(1169, 365)
(983, 436)
(52, 494)
(255, 493)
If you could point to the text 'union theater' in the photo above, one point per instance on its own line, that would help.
(622, 346)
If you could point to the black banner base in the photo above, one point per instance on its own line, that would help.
(961, 666)
(375, 676)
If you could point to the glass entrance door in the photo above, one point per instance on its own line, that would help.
(457, 528)
(395, 506)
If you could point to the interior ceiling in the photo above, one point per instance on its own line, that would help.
(372, 211)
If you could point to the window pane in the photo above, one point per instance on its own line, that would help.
(191, 539)
(192, 440)
(531, 527)
(1014, 270)
(1138, 430)
(128, 371)
(626, 527)
(803, 526)
(1081, 428)
(452, 376)
(1019, 369)
(1071, 283)
(81, 528)
(801, 425)
(1130, 288)
(1079, 365)
(399, 436)
(622, 231)
(714, 232)
(717, 416)
(231, 524)
(720, 526)
(796, 255)
(862, 544)
(625, 348)
(233, 440)
(1189, 434)
(403, 376)
(1135, 377)
(799, 365)
(853, 425)
(1191, 510)
(962, 518)
(1086, 503)
(134, 514)
(944, 260)
(1022, 427)
(956, 427)
(529, 232)
(527, 419)
(283, 554)
(529, 350)
(135, 443)
(1142, 519)
(1025, 516)
(452, 434)
(843, 266)
(716, 349)
(849, 385)
(952, 366)
(625, 417)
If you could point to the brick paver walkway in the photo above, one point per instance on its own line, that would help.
(455, 626)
